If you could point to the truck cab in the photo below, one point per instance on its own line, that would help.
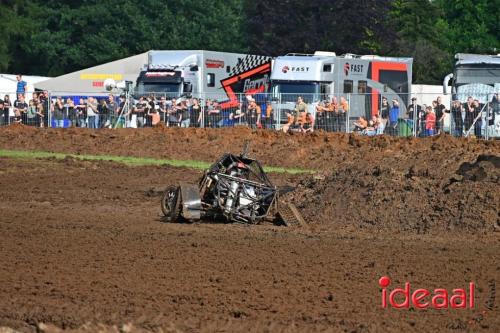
(478, 76)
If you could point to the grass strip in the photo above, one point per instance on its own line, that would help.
(133, 161)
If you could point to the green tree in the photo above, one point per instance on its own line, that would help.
(63, 36)
(421, 35)
(282, 26)
(472, 26)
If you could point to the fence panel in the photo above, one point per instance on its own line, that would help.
(370, 114)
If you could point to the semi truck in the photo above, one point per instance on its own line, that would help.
(363, 80)
(205, 74)
(477, 76)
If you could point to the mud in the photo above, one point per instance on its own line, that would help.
(82, 247)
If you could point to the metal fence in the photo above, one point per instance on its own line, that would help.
(371, 114)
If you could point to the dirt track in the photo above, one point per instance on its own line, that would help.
(81, 242)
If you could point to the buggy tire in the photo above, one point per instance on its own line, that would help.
(171, 204)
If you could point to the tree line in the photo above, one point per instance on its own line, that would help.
(49, 37)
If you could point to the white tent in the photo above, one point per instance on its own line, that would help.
(8, 85)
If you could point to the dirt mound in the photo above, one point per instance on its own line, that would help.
(321, 151)
(391, 197)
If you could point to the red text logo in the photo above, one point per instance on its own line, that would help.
(400, 298)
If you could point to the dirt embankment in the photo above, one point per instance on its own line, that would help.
(320, 151)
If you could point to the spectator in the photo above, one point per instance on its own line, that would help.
(173, 116)
(413, 112)
(149, 111)
(111, 107)
(8, 109)
(153, 112)
(45, 102)
(342, 115)
(39, 113)
(254, 114)
(307, 124)
(321, 115)
(361, 124)
(58, 113)
(227, 119)
(371, 128)
(494, 109)
(196, 114)
(20, 109)
(380, 125)
(214, 113)
(469, 113)
(268, 116)
(162, 109)
(4, 118)
(21, 85)
(330, 113)
(458, 122)
(430, 121)
(239, 116)
(477, 118)
(334, 109)
(32, 113)
(184, 115)
(140, 111)
(122, 113)
(393, 117)
(70, 112)
(92, 113)
(440, 113)
(300, 109)
(102, 109)
(81, 113)
(385, 109)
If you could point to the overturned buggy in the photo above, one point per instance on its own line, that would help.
(234, 189)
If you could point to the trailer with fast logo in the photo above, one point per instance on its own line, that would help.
(362, 80)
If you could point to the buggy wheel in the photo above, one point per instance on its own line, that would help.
(171, 204)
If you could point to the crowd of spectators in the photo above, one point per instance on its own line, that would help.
(332, 115)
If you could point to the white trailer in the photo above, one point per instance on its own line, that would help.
(362, 79)
(219, 75)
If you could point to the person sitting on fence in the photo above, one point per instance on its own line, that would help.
(430, 121)
(307, 124)
(298, 118)
(361, 124)
(371, 129)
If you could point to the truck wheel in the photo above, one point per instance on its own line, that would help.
(171, 204)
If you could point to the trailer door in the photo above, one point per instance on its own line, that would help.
(395, 77)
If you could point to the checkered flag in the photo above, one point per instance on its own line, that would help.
(248, 63)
